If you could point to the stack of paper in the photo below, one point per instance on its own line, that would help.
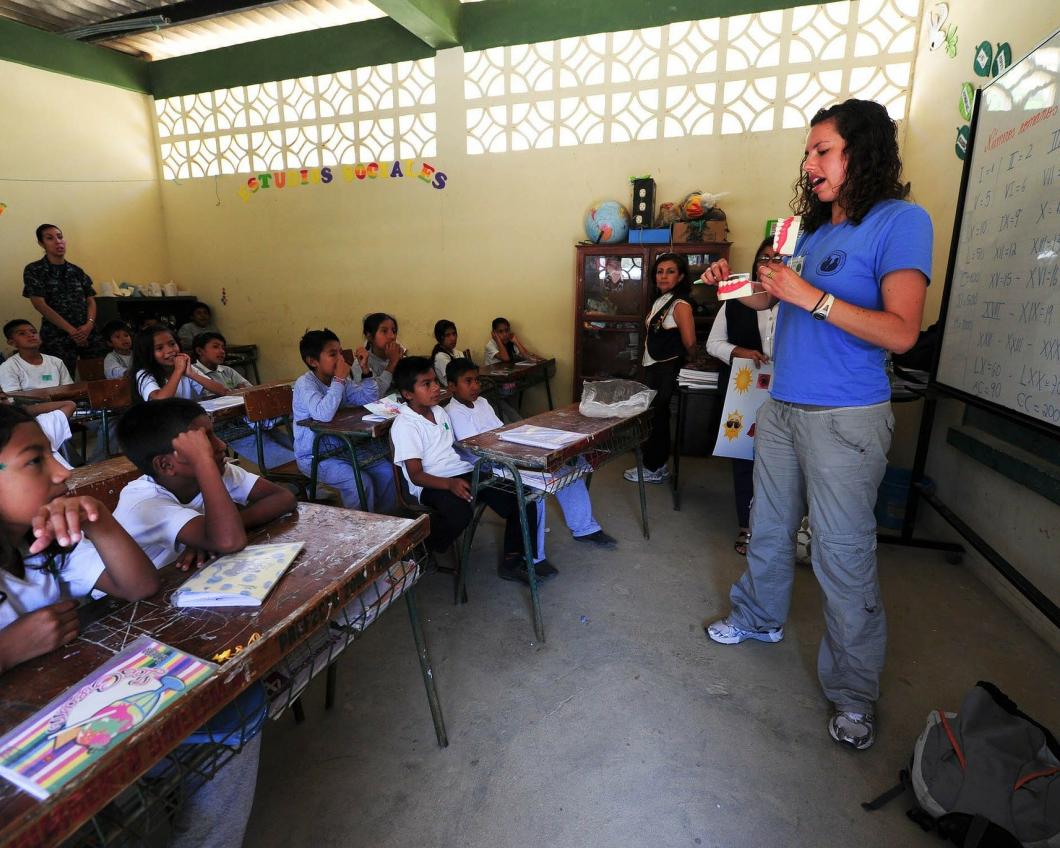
(540, 437)
(695, 379)
(223, 402)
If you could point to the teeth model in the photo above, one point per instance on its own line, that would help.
(786, 235)
(737, 285)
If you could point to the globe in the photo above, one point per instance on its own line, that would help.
(607, 222)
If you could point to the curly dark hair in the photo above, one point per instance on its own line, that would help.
(874, 168)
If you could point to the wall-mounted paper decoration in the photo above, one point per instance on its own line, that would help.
(982, 60)
(951, 42)
(1002, 59)
(966, 101)
(961, 145)
(936, 18)
(425, 173)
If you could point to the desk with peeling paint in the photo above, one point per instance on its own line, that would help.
(603, 439)
(344, 551)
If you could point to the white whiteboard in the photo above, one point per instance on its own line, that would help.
(1001, 319)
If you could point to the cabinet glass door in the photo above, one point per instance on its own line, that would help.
(612, 285)
(610, 349)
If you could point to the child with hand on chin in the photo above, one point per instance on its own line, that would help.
(423, 446)
(504, 346)
(159, 370)
(40, 526)
(330, 385)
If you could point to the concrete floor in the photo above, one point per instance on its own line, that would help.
(628, 728)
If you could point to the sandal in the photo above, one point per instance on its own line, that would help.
(743, 538)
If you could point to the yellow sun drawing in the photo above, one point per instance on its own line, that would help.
(742, 381)
(733, 425)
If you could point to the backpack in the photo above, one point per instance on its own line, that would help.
(987, 776)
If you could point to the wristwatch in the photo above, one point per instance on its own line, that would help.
(822, 309)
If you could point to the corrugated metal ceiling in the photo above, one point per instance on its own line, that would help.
(267, 19)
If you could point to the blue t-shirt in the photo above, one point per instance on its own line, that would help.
(816, 362)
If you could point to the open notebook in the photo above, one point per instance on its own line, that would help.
(238, 580)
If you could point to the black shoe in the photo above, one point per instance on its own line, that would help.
(600, 539)
(545, 570)
(514, 569)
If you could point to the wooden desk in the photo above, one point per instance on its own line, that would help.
(349, 427)
(344, 551)
(524, 375)
(70, 391)
(103, 480)
(603, 439)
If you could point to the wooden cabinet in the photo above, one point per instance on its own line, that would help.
(612, 299)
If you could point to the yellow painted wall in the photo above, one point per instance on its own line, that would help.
(1018, 523)
(81, 155)
(498, 240)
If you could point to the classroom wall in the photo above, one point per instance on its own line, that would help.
(1020, 524)
(497, 240)
(81, 155)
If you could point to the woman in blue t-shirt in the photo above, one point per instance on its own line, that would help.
(853, 290)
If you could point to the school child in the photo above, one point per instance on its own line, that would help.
(470, 415)
(28, 368)
(445, 348)
(201, 322)
(188, 496)
(422, 435)
(118, 335)
(504, 346)
(190, 504)
(37, 614)
(159, 370)
(384, 350)
(319, 394)
(210, 352)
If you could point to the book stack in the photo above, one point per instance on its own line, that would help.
(694, 378)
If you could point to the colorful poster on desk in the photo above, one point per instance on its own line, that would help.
(58, 743)
(748, 388)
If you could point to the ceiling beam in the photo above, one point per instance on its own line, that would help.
(435, 22)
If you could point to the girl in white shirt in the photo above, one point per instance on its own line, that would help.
(39, 526)
(445, 350)
(159, 369)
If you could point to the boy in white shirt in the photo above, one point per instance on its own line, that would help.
(422, 436)
(28, 368)
(210, 355)
(189, 497)
(471, 414)
(117, 363)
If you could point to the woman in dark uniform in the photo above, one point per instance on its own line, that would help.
(62, 293)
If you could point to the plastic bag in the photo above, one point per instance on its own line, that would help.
(615, 399)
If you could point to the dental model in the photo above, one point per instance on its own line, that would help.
(736, 285)
(786, 235)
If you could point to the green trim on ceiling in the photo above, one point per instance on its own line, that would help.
(436, 22)
(303, 54)
(47, 51)
(496, 23)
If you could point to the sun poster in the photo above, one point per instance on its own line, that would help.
(80, 726)
(748, 388)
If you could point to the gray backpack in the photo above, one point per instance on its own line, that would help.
(987, 776)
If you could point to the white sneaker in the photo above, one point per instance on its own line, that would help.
(726, 633)
(659, 476)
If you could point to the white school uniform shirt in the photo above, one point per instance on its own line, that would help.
(187, 388)
(718, 344)
(441, 362)
(470, 421)
(154, 517)
(20, 596)
(16, 374)
(226, 375)
(414, 437)
(116, 365)
(56, 427)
